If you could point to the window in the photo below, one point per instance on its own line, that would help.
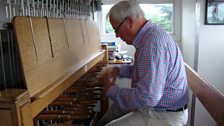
(106, 24)
(161, 14)
(166, 14)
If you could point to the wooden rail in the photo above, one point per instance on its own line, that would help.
(210, 98)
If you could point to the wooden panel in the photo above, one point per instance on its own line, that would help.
(210, 98)
(58, 36)
(75, 37)
(34, 75)
(26, 44)
(26, 114)
(85, 32)
(35, 72)
(6, 117)
(61, 52)
(74, 33)
(93, 36)
(41, 39)
(11, 108)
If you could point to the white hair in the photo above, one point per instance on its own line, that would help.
(124, 9)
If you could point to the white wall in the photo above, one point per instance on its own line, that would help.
(211, 52)
(210, 56)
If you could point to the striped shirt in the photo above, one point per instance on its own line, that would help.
(158, 74)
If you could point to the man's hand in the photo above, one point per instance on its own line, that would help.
(108, 82)
(110, 76)
(112, 73)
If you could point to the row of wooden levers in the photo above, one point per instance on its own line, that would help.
(79, 104)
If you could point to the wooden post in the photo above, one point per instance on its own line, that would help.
(15, 108)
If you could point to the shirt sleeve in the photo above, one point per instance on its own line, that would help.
(125, 71)
(149, 88)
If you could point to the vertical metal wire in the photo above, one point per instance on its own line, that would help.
(9, 41)
(76, 9)
(2, 61)
(14, 8)
(18, 71)
(32, 8)
(15, 64)
(49, 9)
(57, 8)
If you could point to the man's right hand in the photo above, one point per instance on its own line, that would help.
(113, 73)
(110, 76)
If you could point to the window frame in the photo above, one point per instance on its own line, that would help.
(176, 18)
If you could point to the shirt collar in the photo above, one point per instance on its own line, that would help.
(137, 42)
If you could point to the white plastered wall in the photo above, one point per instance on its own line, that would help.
(210, 52)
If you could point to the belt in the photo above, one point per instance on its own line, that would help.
(180, 109)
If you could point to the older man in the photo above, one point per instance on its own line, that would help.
(159, 92)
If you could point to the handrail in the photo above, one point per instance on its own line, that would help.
(210, 98)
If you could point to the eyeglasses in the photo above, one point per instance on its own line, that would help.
(116, 30)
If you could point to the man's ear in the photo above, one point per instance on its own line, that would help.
(130, 22)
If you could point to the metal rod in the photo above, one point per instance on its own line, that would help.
(54, 9)
(25, 7)
(17, 64)
(32, 8)
(28, 8)
(6, 10)
(57, 9)
(73, 9)
(70, 9)
(46, 8)
(14, 8)
(77, 8)
(10, 9)
(2, 59)
(80, 9)
(50, 8)
(60, 9)
(15, 72)
(17, 7)
(66, 9)
(42, 8)
(22, 8)
(10, 57)
(63, 8)
(38, 8)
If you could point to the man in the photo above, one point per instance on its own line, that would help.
(159, 92)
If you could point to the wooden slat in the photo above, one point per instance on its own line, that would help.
(58, 37)
(26, 45)
(74, 34)
(93, 36)
(210, 98)
(41, 39)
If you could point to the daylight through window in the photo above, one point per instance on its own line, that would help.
(162, 14)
